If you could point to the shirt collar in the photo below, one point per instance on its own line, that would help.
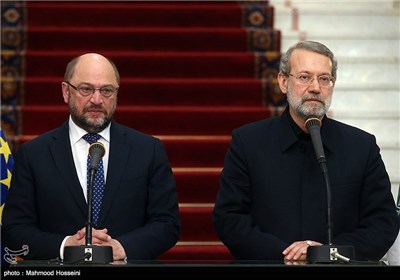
(300, 134)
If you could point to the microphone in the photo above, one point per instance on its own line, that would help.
(325, 253)
(313, 125)
(90, 253)
(96, 152)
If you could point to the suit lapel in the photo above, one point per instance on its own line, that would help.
(60, 149)
(118, 157)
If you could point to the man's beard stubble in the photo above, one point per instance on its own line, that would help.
(84, 123)
(305, 110)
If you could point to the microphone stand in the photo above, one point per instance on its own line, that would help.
(88, 235)
(88, 253)
(329, 253)
(324, 169)
(325, 253)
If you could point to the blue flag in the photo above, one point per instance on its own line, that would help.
(7, 164)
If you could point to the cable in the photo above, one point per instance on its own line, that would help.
(336, 255)
(347, 260)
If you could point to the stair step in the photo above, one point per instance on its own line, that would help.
(196, 152)
(158, 64)
(146, 39)
(197, 185)
(196, 222)
(384, 127)
(197, 251)
(369, 71)
(373, 45)
(173, 13)
(335, 6)
(366, 98)
(135, 14)
(351, 18)
(386, 21)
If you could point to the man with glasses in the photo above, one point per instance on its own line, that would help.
(272, 203)
(46, 209)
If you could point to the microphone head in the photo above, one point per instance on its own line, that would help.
(97, 148)
(312, 121)
(313, 125)
(96, 152)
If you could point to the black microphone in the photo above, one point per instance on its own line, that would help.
(325, 253)
(96, 152)
(90, 253)
(313, 125)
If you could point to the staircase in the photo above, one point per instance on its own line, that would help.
(365, 37)
(190, 73)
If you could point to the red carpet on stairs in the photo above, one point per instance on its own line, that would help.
(197, 185)
(190, 73)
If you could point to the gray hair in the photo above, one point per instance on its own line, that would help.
(285, 67)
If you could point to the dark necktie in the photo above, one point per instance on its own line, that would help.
(98, 186)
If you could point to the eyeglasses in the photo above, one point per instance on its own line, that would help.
(86, 90)
(307, 79)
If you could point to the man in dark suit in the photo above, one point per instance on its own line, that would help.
(272, 201)
(46, 208)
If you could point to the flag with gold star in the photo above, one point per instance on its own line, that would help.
(7, 164)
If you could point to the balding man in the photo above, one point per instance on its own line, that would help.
(46, 209)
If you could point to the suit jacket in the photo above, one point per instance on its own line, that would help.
(46, 202)
(273, 193)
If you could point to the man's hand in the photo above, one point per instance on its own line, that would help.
(99, 238)
(297, 251)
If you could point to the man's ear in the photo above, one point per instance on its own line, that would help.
(65, 91)
(283, 80)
